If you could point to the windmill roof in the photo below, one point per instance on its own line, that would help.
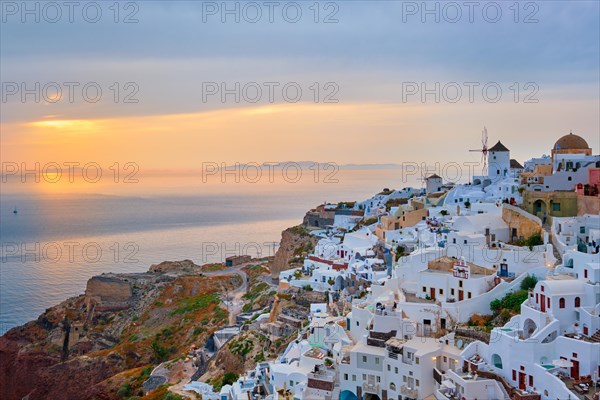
(515, 164)
(499, 147)
(434, 176)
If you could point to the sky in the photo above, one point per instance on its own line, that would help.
(170, 85)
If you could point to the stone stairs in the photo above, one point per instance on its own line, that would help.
(596, 337)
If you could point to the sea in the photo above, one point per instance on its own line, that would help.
(65, 232)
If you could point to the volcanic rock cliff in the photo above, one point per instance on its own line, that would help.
(108, 340)
(295, 243)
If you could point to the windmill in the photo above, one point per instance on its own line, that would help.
(424, 172)
(483, 150)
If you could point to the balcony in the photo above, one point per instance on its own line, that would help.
(371, 388)
(409, 392)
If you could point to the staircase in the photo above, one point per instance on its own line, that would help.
(596, 337)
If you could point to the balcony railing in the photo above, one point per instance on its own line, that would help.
(406, 391)
(371, 388)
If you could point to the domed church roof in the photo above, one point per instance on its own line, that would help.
(571, 141)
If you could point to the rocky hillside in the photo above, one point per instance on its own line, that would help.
(105, 343)
(295, 243)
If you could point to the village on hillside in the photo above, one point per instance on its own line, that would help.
(485, 290)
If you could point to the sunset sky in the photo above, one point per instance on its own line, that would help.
(370, 54)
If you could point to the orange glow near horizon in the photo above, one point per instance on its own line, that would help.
(351, 133)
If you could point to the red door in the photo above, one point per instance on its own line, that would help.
(575, 369)
(543, 303)
(522, 380)
(461, 295)
(432, 293)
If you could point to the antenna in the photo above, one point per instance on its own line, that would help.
(483, 150)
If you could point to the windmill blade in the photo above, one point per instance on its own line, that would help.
(484, 137)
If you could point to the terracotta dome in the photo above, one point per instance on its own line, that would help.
(571, 141)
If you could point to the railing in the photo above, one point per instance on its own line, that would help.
(406, 391)
(371, 388)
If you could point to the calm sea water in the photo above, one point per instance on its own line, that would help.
(65, 233)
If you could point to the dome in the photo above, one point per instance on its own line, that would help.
(571, 141)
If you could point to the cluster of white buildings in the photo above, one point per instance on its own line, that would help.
(411, 281)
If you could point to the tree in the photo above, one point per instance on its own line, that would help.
(229, 378)
(529, 282)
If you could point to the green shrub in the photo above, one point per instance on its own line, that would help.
(529, 282)
(229, 378)
(534, 240)
(159, 352)
(125, 390)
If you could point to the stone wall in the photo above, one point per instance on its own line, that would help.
(588, 205)
(524, 223)
(108, 290)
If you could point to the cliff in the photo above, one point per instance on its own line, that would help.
(295, 243)
(104, 343)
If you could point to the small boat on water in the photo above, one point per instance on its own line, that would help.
(15, 210)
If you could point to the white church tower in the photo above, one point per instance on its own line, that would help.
(498, 162)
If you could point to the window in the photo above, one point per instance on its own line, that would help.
(542, 288)
(392, 386)
(445, 359)
(465, 241)
(585, 273)
(469, 295)
(417, 360)
(530, 380)
(548, 302)
(365, 359)
(376, 360)
(561, 302)
(424, 289)
(291, 383)
(452, 291)
(582, 229)
(364, 377)
(514, 375)
(353, 378)
(357, 324)
(396, 369)
(570, 178)
(574, 355)
(577, 302)
(441, 291)
(417, 383)
(555, 206)
(345, 377)
(378, 379)
(460, 283)
(389, 368)
(404, 378)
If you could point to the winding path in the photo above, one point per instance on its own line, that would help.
(233, 299)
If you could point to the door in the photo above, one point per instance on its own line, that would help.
(575, 369)
(522, 380)
(504, 270)
(543, 303)
(461, 295)
(432, 293)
